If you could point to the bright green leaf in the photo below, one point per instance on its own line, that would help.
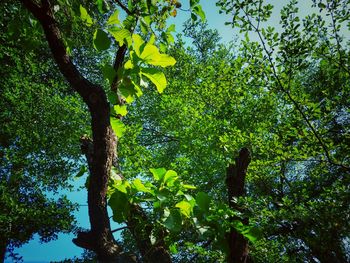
(121, 35)
(138, 43)
(188, 186)
(85, 16)
(114, 18)
(118, 127)
(197, 9)
(185, 208)
(120, 109)
(156, 76)
(158, 173)
(170, 177)
(139, 186)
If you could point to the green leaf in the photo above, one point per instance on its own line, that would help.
(138, 44)
(193, 2)
(197, 9)
(185, 208)
(139, 186)
(109, 73)
(118, 127)
(99, 4)
(171, 28)
(170, 177)
(120, 206)
(120, 109)
(121, 35)
(151, 55)
(203, 201)
(85, 16)
(254, 234)
(114, 18)
(158, 173)
(101, 40)
(82, 171)
(156, 77)
(188, 186)
(123, 186)
(173, 249)
(173, 221)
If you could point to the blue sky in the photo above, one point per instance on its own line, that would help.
(63, 247)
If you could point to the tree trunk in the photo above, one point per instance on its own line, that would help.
(235, 178)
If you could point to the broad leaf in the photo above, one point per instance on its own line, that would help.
(199, 11)
(101, 40)
(151, 55)
(156, 77)
(120, 109)
(85, 16)
(203, 201)
(173, 222)
(170, 177)
(117, 126)
(109, 73)
(120, 206)
(114, 18)
(139, 186)
(158, 173)
(185, 208)
(121, 35)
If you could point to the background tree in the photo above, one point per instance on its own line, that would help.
(41, 119)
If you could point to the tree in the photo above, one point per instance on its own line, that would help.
(37, 154)
(267, 98)
(124, 80)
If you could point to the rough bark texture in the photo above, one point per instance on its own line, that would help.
(99, 238)
(235, 178)
(100, 152)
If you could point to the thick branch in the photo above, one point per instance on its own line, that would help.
(90, 93)
(99, 150)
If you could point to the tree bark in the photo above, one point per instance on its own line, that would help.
(235, 178)
(100, 152)
(100, 238)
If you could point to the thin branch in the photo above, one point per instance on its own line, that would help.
(295, 103)
(124, 7)
(54, 38)
(120, 228)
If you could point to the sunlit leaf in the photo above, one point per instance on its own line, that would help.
(156, 76)
(114, 18)
(185, 208)
(118, 127)
(158, 173)
(85, 16)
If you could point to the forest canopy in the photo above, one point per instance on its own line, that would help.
(202, 151)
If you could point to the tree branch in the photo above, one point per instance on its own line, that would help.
(90, 93)
(124, 7)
